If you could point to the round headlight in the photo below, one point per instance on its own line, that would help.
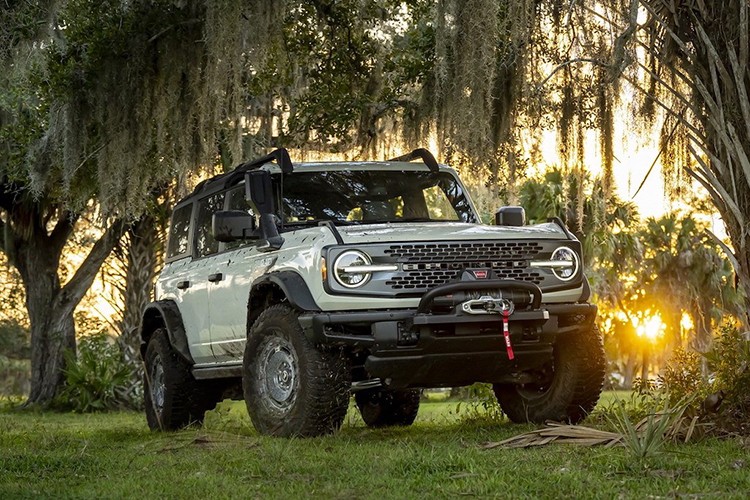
(345, 268)
(568, 263)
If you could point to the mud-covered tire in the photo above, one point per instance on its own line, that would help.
(572, 390)
(291, 387)
(172, 397)
(386, 408)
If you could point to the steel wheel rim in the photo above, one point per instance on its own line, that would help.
(279, 373)
(158, 386)
(536, 390)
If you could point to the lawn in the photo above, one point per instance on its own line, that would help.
(115, 455)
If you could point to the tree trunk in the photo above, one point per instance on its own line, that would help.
(141, 261)
(52, 330)
(629, 374)
(36, 252)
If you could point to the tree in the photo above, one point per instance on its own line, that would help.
(684, 272)
(101, 103)
(691, 60)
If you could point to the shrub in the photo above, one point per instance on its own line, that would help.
(729, 361)
(97, 379)
(683, 378)
(480, 405)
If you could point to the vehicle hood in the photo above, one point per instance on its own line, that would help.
(447, 231)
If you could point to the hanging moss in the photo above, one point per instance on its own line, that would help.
(139, 93)
(606, 131)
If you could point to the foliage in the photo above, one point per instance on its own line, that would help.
(480, 405)
(691, 60)
(97, 379)
(649, 436)
(729, 361)
(718, 397)
(683, 378)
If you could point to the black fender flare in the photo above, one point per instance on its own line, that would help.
(293, 287)
(586, 293)
(166, 314)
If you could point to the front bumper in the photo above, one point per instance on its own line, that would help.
(414, 348)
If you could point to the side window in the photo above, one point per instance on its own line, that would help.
(236, 201)
(179, 231)
(205, 244)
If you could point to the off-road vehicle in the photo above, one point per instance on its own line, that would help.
(296, 286)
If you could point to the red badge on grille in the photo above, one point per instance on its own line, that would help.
(480, 275)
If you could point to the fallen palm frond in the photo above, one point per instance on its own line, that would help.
(559, 433)
(643, 438)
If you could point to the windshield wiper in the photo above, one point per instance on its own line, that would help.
(315, 222)
(390, 221)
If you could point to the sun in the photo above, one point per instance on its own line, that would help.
(650, 328)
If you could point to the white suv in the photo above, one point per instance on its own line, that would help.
(304, 284)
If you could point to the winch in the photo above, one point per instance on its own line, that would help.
(487, 304)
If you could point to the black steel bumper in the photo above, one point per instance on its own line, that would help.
(412, 348)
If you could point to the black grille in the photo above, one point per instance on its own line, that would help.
(426, 265)
(475, 251)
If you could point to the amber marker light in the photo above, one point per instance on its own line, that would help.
(323, 269)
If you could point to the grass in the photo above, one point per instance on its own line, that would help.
(115, 455)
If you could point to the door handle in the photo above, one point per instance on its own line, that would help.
(213, 278)
(182, 285)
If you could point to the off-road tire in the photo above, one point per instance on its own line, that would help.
(172, 397)
(291, 387)
(386, 408)
(574, 389)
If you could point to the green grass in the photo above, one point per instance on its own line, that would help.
(115, 455)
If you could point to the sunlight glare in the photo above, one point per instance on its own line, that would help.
(686, 322)
(651, 328)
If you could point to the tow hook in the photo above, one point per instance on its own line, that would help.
(487, 304)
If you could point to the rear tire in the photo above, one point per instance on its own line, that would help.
(572, 390)
(172, 397)
(385, 408)
(290, 387)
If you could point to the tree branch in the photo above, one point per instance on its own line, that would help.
(728, 251)
(62, 230)
(595, 62)
(74, 290)
(715, 189)
(694, 131)
(618, 52)
(739, 76)
(8, 193)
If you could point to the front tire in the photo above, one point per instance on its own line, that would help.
(386, 408)
(571, 389)
(172, 397)
(290, 387)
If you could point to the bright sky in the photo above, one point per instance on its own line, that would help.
(633, 158)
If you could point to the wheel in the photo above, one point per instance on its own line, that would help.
(568, 389)
(384, 408)
(290, 387)
(173, 398)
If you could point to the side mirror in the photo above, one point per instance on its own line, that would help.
(259, 191)
(233, 225)
(510, 216)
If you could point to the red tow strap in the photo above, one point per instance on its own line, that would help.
(506, 334)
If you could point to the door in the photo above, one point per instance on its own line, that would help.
(239, 265)
(198, 276)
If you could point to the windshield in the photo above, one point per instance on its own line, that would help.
(369, 196)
